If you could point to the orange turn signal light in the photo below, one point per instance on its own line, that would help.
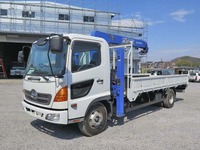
(62, 95)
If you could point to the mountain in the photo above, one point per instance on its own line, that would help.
(187, 61)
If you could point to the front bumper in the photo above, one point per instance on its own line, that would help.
(41, 113)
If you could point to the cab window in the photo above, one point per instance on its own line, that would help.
(85, 55)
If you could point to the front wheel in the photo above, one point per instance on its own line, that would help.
(169, 99)
(95, 120)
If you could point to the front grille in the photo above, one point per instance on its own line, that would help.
(41, 98)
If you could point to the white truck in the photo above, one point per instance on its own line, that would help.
(194, 76)
(87, 80)
(198, 77)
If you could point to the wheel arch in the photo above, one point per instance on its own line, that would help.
(167, 90)
(106, 101)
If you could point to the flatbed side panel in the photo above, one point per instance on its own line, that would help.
(153, 83)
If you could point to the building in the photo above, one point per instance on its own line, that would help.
(22, 22)
(43, 17)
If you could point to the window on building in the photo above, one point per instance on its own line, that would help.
(64, 17)
(88, 19)
(29, 14)
(4, 12)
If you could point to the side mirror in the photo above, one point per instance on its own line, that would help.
(20, 57)
(23, 54)
(56, 44)
(26, 50)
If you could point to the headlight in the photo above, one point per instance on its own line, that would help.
(52, 117)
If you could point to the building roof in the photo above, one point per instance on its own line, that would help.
(53, 5)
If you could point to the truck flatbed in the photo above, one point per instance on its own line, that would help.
(138, 85)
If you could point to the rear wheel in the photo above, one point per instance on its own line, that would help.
(169, 99)
(95, 120)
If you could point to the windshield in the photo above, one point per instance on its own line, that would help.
(193, 73)
(39, 65)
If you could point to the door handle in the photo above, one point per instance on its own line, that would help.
(100, 81)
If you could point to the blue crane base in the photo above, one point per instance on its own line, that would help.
(119, 83)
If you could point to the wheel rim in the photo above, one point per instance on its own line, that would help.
(95, 119)
(171, 99)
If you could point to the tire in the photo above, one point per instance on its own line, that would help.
(170, 98)
(95, 120)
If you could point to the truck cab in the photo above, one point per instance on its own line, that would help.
(60, 83)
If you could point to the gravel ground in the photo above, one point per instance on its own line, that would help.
(150, 128)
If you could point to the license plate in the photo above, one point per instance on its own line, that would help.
(38, 113)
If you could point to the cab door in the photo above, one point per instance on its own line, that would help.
(89, 76)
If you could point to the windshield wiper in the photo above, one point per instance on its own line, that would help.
(36, 72)
(45, 78)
